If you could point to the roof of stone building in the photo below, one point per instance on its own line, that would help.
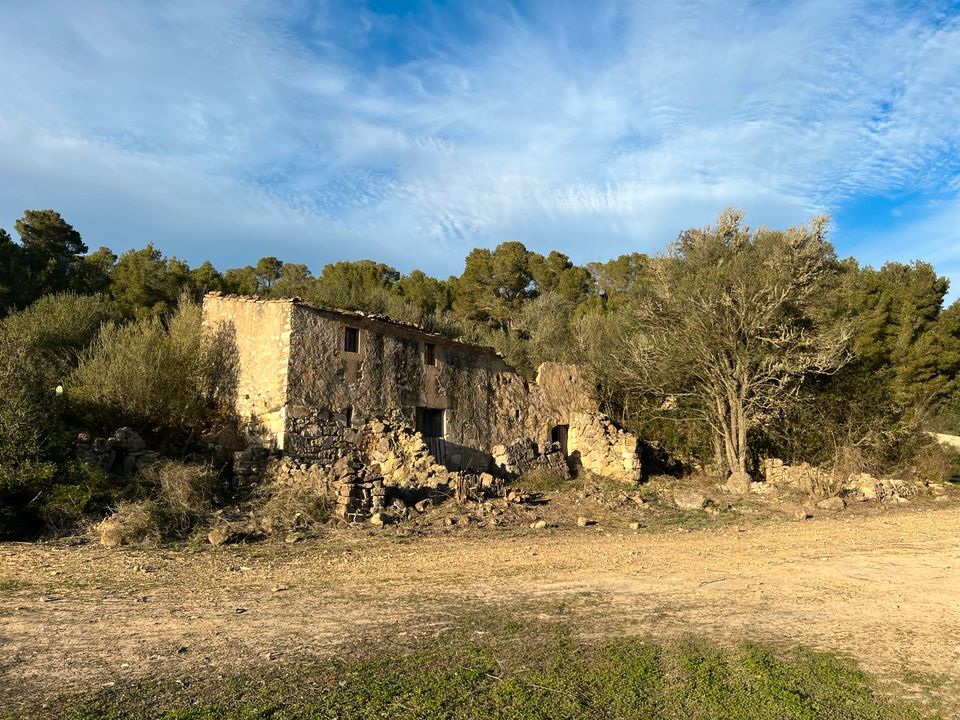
(366, 317)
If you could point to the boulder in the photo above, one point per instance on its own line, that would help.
(832, 503)
(423, 505)
(219, 535)
(689, 500)
(738, 483)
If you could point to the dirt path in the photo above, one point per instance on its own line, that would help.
(884, 589)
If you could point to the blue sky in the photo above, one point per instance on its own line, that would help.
(413, 132)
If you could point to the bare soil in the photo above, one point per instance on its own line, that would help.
(882, 587)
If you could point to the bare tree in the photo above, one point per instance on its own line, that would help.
(732, 323)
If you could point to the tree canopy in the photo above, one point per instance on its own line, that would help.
(735, 341)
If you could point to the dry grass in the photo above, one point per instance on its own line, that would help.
(130, 524)
(184, 497)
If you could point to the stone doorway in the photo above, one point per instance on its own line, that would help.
(431, 424)
(559, 435)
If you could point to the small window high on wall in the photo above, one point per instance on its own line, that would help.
(351, 340)
(429, 354)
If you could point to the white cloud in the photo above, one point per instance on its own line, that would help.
(230, 130)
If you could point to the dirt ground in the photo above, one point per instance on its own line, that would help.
(882, 587)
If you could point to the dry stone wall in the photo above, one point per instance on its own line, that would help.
(123, 453)
(603, 448)
(803, 477)
(318, 436)
(523, 456)
(810, 480)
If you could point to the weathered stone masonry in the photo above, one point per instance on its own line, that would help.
(309, 378)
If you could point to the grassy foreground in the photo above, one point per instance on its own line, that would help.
(524, 672)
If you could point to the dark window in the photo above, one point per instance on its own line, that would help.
(430, 422)
(351, 340)
(430, 354)
(348, 414)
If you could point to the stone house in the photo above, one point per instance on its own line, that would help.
(301, 369)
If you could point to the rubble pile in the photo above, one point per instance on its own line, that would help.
(123, 453)
(522, 456)
(807, 479)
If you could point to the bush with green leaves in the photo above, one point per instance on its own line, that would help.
(39, 348)
(160, 375)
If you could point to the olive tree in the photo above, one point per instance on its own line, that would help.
(731, 323)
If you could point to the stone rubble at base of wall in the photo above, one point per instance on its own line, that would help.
(523, 456)
(595, 441)
(356, 467)
(809, 479)
(362, 467)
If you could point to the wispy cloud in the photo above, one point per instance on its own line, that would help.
(318, 131)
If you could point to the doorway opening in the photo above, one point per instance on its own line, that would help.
(558, 435)
(431, 424)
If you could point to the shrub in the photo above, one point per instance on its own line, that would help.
(542, 480)
(132, 523)
(76, 491)
(937, 463)
(148, 373)
(285, 506)
(191, 490)
(181, 497)
(38, 348)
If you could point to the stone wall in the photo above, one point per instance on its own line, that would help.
(318, 436)
(604, 449)
(483, 399)
(803, 477)
(522, 456)
(259, 332)
(810, 480)
(559, 392)
(294, 374)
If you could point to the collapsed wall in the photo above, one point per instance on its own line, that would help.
(604, 449)
(810, 480)
(360, 469)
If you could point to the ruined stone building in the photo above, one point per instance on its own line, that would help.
(302, 370)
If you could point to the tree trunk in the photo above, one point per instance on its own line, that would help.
(733, 430)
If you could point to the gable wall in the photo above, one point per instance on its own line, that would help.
(259, 332)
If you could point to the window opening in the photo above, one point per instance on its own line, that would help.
(351, 340)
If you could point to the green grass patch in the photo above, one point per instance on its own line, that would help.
(518, 670)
